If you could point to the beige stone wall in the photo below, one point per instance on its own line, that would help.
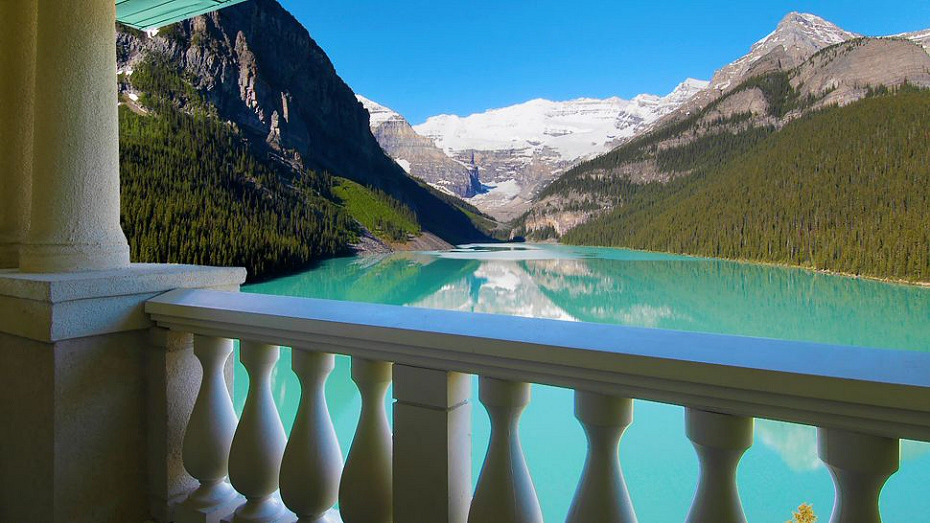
(100, 429)
(95, 426)
(94, 399)
(26, 435)
(76, 448)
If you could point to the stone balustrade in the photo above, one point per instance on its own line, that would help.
(862, 400)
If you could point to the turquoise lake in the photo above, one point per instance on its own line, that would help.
(778, 473)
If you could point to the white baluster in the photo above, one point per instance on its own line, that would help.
(505, 491)
(860, 465)
(312, 460)
(209, 436)
(720, 441)
(602, 496)
(365, 493)
(257, 448)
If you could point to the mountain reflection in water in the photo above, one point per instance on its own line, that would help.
(631, 288)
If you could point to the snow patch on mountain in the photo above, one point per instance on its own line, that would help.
(571, 129)
(405, 164)
(379, 113)
(921, 38)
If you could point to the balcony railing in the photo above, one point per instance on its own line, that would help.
(862, 400)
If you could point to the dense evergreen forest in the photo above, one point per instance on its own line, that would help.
(842, 189)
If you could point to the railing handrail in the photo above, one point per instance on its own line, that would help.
(874, 391)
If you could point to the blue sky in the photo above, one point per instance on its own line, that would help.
(427, 57)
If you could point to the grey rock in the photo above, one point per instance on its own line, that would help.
(418, 155)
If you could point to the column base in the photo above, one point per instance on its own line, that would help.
(190, 513)
(283, 515)
(44, 258)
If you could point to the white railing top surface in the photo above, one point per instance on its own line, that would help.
(874, 391)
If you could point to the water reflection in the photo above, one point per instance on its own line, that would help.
(631, 288)
(797, 444)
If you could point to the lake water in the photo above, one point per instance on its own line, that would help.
(778, 473)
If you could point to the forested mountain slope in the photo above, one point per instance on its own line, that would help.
(747, 112)
(194, 190)
(843, 189)
(266, 130)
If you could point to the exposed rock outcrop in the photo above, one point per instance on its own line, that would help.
(796, 38)
(418, 155)
(843, 73)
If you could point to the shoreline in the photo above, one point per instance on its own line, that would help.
(369, 245)
(827, 272)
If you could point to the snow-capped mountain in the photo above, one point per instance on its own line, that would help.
(378, 114)
(419, 156)
(519, 149)
(572, 129)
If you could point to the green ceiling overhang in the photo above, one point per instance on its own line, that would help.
(150, 14)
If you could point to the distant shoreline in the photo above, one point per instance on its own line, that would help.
(896, 281)
(375, 247)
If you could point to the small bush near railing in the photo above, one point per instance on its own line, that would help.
(805, 514)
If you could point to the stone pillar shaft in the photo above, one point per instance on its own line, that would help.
(17, 84)
(432, 426)
(75, 214)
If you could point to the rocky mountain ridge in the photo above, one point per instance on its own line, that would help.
(796, 38)
(418, 155)
(806, 64)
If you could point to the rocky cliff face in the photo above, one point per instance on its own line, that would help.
(259, 67)
(418, 155)
(797, 37)
(261, 70)
(844, 73)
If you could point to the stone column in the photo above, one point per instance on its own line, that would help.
(432, 445)
(17, 82)
(75, 214)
